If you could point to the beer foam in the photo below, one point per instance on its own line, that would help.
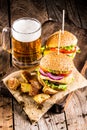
(26, 30)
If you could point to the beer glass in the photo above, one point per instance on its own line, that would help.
(25, 42)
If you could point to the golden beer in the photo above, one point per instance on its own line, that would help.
(26, 42)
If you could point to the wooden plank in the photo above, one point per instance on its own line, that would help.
(82, 38)
(6, 121)
(28, 8)
(77, 114)
(82, 12)
(48, 122)
(76, 11)
(3, 14)
(84, 70)
(54, 9)
(52, 121)
(4, 21)
(72, 13)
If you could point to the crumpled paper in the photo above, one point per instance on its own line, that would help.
(29, 105)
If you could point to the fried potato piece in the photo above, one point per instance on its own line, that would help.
(29, 78)
(35, 84)
(31, 85)
(26, 76)
(13, 83)
(33, 91)
(49, 90)
(28, 88)
(25, 87)
(40, 98)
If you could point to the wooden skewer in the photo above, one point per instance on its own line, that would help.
(59, 41)
(63, 21)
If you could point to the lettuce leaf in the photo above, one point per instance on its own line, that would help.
(72, 47)
(56, 86)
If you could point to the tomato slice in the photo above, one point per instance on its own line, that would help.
(53, 49)
(67, 51)
(66, 74)
(64, 51)
(43, 69)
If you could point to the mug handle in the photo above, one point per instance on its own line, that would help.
(6, 39)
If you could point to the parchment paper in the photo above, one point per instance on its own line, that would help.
(30, 106)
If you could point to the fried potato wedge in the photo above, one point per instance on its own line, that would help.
(25, 87)
(31, 78)
(28, 88)
(13, 83)
(48, 90)
(35, 84)
(40, 98)
(26, 76)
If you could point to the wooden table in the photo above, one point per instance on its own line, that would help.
(49, 13)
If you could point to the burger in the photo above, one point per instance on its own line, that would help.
(68, 44)
(55, 72)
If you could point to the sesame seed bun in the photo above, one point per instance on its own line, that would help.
(57, 62)
(67, 39)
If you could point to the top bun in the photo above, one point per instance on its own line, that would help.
(67, 39)
(56, 62)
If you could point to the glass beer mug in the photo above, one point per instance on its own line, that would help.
(25, 42)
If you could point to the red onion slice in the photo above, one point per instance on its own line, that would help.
(42, 72)
(54, 77)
